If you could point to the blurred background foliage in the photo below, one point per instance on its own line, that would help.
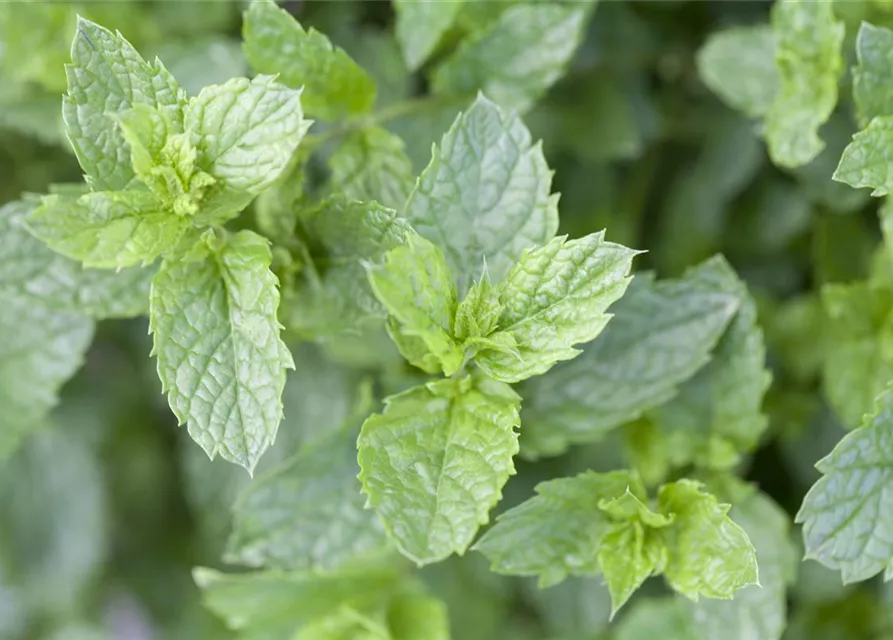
(104, 512)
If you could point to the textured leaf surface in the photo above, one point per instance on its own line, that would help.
(865, 161)
(245, 131)
(661, 335)
(220, 358)
(421, 25)
(275, 43)
(846, 514)
(308, 513)
(720, 408)
(873, 76)
(738, 65)
(371, 165)
(108, 228)
(708, 554)
(808, 55)
(107, 76)
(415, 285)
(341, 300)
(485, 194)
(757, 612)
(555, 297)
(516, 59)
(435, 461)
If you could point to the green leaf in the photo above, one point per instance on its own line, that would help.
(420, 26)
(108, 228)
(371, 164)
(478, 313)
(808, 38)
(333, 85)
(557, 532)
(553, 298)
(757, 612)
(216, 336)
(341, 300)
(45, 278)
(738, 65)
(308, 513)
(516, 59)
(414, 283)
(669, 326)
(718, 414)
(708, 554)
(414, 616)
(485, 194)
(864, 162)
(245, 131)
(872, 76)
(665, 618)
(845, 515)
(598, 523)
(107, 76)
(454, 454)
(275, 604)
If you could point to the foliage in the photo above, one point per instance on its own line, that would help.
(425, 396)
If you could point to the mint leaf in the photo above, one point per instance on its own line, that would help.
(420, 26)
(844, 514)
(864, 161)
(453, 454)
(665, 618)
(808, 39)
(478, 313)
(414, 616)
(598, 523)
(245, 132)
(340, 300)
(220, 359)
(371, 164)
(107, 76)
(485, 194)
(871, 77)
(720, 408)
(670, 326)
(554, 298)
(415, 285)
(708, 554)
(308, 513)
(108, 228)
(516, 59)
(757, 611)
(557, 532)
(333, 85)
(738, 65)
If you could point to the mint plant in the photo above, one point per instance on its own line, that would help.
(419, 394)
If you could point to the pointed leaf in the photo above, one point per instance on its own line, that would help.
(371, 164)
(420, 26)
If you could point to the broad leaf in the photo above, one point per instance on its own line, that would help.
(308, 513)
(245, 131)
(420, 26)
(555, 297)
(485, 194)
(275, 43)
(371, 164)
(220, 359)
(415, 285)
(108, 228)
(107, 76)
(516, 59)
(738, 64)
(661, 335)
(845, 515)
(808, 40)
(435, 461)
(864, 162)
